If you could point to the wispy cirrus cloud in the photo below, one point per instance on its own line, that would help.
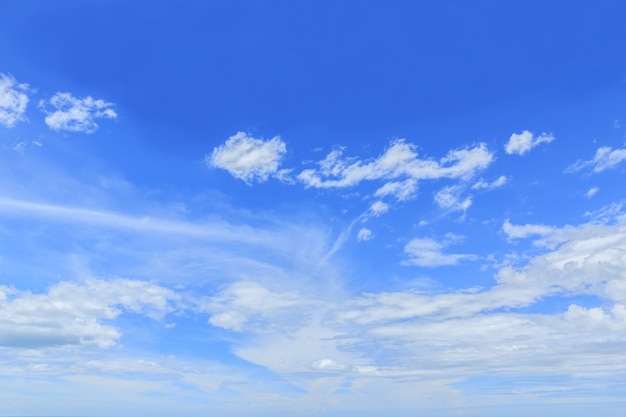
(64, 112)
(605, 158)
(513, 231)
(521, 143)
(14, 99)
(484, 185)
(248, 158)
(429, 252)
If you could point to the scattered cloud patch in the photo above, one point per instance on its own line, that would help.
(364, 234)
(400, 190)
(247, 305)
(484, 185)
(521, 143)
(399, 160)
(379, 208)
(70, 314)
(605, 158)
(449, 198)
(591, 192)
(523, 231)
(248, 158)
(68, 113)
(13, 100)
(429, 252)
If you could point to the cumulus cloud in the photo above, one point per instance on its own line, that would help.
(399, 160)
(70, 313)
(429, 252)
(520, 143)
(13, 100)
(523, 231)
(364, 234)
(248, 158)
(605, 158)
(72, 114)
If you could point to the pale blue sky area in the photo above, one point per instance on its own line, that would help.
(328, 208)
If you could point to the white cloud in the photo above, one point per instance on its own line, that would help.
(591, 192)
(523, 231)
(248, 158)
(13, 100)
(378, 208)
(400, 190)
(449, 198)
(249, 305)
(75, 114)
(70, 313)
(399, 160)
(605, 158)
(364, 234)
(482, 184)
(524, 142)
(429, 252)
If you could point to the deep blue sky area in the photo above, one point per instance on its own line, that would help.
(274, 208)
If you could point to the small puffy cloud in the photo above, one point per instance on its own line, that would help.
(13, 100)
(379, 208)
(429, 252)
(482, 184)
(248, 158)
(449, 198)
(524, 142)
(605, 158)
(364, 234)
(74, 114)
(400, 160)
(523, 231)
(592, 191)
(400, 190)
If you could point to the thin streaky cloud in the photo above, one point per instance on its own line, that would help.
(604, 159)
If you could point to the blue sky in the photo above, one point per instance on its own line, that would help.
(312, 208)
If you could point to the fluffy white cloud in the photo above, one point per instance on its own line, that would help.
(605, 158)
(13, 100)
(523, 231)
(364, 234)
(429, 252)
(523, 142)
(248, 158)
(75, 114)
(399, 160)
(70, 313)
